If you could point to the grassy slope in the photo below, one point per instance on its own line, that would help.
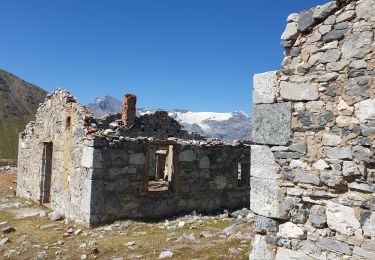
(19, 101)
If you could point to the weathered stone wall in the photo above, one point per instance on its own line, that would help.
(158, 125)
(313, 165)
(60, 120)
(205, 179)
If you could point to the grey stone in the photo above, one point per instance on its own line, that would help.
(369, 226)
(91, 158)
(322, 12)
(272, 123)
(335, 246)
(342, 219)
(291, 31)
(284, 254)
(334, 35)
(305, 118)
(365, 141)
(363, 153)
(263, 164)
(260, 250)
(365, 9)
(331, 139)
(332, 178)
(310, 177)
(54, 216)
(353, 87)
(295, 51)
(204, 163)
(264, 87)
(325, 118)
(339, 153)
(298, 91)
(352, 44)
(368, 131)
(363, 187)
(165, 254)
(305, 21)
(365, 110)
(264, 225)
(298, 147)
(290, 230)
(331, 56)
(345, 16)
(311, 248)
(4, 241)
(292, 17)
(358, 64)
(363, 253)
(266, 198)
(188, 156)
(351, 169)
(137, 158)
(317, 216)
(298, 216)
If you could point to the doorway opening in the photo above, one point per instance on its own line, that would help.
(243, 174)
(162, 168)
(46, 173)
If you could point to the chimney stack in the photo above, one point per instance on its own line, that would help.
(129, 110)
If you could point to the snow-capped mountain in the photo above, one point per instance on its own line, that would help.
(225, 126)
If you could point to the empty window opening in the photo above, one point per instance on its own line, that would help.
(46, 173)
(68, 122)
(162, 168)
(243, 174)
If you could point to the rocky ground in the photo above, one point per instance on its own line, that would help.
(27, 232)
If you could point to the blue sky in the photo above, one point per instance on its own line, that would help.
(194, 54)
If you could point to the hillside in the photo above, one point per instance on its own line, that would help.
(225, 126)
(19, 101)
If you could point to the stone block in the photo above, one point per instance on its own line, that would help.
(365, 110)
(272, 123)
(187, 156)
(283, 254)
(263, 164)
(342, 219)
(260, 249)
(339, 153)
(137, 158)
(365, 9)
(298, 91)
(291, 231)
(369, 226)
(290, 32)
(363, 253)
(305, 21)
(335, 246)
(91, 158)
(204, 163)
(264, 225)
(266, 198)
(264, 87)
(323, 11)
(318, 216)
(310, 177)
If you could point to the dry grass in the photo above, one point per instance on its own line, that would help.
(150, 238)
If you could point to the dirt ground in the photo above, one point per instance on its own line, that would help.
(225, 236)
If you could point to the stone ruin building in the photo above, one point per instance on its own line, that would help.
(312, 164)
(95, 171)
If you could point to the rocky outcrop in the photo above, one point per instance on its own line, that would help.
(319, 186)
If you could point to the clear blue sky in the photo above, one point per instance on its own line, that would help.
(194, 54)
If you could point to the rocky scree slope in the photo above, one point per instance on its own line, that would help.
(19, 101)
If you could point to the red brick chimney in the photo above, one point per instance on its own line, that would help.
(129, 110)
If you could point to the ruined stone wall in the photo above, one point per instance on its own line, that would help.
(60, 121)
(205, 179)
(157, 124)
(313, 165)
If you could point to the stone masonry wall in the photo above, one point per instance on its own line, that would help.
(60, 120)
(205, 179)
(312, 164)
